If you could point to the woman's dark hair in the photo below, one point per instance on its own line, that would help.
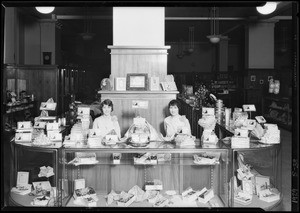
(106, 102)
(175, 103)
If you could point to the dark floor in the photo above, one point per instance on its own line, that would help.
(286, 150)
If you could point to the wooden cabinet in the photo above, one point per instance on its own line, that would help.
(39, 80)
(278, 110)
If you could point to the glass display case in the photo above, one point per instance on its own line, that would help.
(255, 171)
(37, 166)
(165, 176)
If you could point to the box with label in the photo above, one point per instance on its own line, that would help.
(269, 195)
(205, 195)
(153, 185)
(126, 200)
(261, 183)
(243, 198)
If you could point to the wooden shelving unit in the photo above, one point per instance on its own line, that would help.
(278, 110)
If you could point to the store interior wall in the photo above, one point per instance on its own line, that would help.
(23, 35)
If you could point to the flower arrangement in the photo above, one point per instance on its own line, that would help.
(202, 96)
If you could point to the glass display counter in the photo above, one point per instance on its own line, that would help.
(29, 158)
(109, 173)
(263, 161)
(171, 169)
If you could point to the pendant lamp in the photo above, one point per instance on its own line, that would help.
(214, 24)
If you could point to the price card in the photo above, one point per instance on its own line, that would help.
(52, 126)
(95, 133)
(249, 108)
(208, 111)
(48, 106)
(83, 111)
(23, 137)
(24, 125)
(241, 132)
(54, 135)
(260, 119)
(40, 125)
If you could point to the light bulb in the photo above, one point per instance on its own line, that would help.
(268, 8)
(45, 10)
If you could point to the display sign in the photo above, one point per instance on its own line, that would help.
(54, 135)
(40, 125)
(23, 137)
(83, 111)
(208, 111)
(48, 106)
(249, 108)
(23, 125)
(154, 84)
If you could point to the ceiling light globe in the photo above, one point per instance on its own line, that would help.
(45, 10)
(268, 8)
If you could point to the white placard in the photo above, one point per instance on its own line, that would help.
(48, 106)
(83, 111)
(40, 125)
(249, 108)
(208, 111)
(120, 84)
(22, 178)
(154, 84)
(23, 137)
(54, 135)
(95, 133)
(24, 125)
(140, 104)
(241, 132)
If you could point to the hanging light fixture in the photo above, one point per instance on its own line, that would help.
(45, 10)
(87, 35)
(191, 39)
(214, 26)
(268, 8)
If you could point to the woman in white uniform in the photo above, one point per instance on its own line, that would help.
(176, 123)
(107, 122)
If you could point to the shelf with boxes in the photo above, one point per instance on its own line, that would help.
(278, 110)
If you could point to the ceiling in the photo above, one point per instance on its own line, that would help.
(179, 17)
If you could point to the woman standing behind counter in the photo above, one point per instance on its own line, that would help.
(106, 122)
(176, 123)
